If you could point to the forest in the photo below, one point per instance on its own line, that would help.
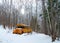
(43, 16)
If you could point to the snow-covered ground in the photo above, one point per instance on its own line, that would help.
(8, 37)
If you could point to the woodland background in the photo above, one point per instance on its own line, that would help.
(43, 16)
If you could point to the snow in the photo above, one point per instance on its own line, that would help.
(6, 37)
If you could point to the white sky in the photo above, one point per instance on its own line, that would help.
(17, 3)
(22, 11)
(0, 2)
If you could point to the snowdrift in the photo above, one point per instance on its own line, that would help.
(8, 37)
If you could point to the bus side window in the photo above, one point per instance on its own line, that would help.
(20, 26)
